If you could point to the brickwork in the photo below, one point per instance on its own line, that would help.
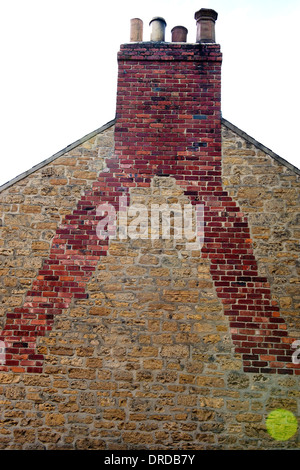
(134, 344)
(180, 93)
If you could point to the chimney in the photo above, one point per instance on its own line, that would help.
(179, 34)
(168, 113)
(136, 30)
(158, 29)
(206, 25)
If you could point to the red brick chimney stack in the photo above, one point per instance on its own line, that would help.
(169, 107)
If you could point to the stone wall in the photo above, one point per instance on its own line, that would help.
(147, 360)
(268, 193)
(33, 208)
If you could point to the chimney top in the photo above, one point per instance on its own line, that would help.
(158, 18)
(136, 30)
(206, 19)
(158, 29)
(179, 34)
(206, 13)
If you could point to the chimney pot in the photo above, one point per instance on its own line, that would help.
(206, 19)
(179, 34)
(136, 30)
(158, 29)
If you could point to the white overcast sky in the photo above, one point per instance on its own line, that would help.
(59, 69)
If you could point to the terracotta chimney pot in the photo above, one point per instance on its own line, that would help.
(206, 25)
(179, 34)
(136, 30)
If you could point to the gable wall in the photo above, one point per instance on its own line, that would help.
(147, 360)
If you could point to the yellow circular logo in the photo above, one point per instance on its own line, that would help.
(281, 424)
